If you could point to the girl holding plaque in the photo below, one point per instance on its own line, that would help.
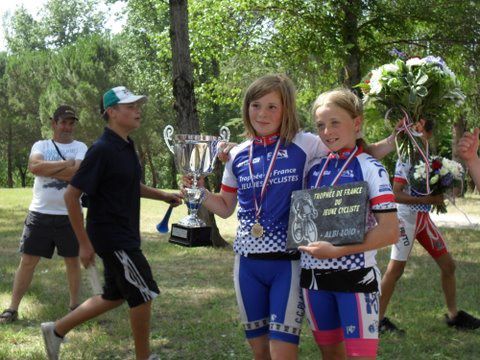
(340, 284)
(261, 174)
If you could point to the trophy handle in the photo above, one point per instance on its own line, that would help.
(225, 133)
(168, 136)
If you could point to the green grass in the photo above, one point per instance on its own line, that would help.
(195, 317)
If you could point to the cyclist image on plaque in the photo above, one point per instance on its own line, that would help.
(303, 227)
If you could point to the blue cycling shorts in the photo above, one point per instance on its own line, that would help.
(269, 298)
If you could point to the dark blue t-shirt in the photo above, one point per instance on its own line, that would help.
(110, 175)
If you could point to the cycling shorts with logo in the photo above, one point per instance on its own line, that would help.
(269, 298)
(349, 317)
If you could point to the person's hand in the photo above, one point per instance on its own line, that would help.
(187, 181)
(321, 250)
(70, 162)
(174, 199)
(224, 150)
(467, 146)
(398, 127)
(87, 254)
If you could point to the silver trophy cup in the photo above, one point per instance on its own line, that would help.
(194, 156)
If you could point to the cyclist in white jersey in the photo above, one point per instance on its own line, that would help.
(415, 223)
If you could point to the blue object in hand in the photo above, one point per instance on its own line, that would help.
(162, 226)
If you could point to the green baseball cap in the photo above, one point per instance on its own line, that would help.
(121, 95)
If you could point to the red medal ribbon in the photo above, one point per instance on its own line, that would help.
(258, 209)
(331, 156)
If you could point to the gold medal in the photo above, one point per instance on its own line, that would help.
(257, 230)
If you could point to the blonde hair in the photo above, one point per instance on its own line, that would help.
(264, 85)
(343, 98)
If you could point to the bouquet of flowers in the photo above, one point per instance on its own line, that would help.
(412, 89)
(423, 88)
(440, 175)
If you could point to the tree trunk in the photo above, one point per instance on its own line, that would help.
(148, 157)
(351, 75)
(173, 173)
(10, 156)
(216, 178)
(183, 90)
(209, 218)
(23, 175)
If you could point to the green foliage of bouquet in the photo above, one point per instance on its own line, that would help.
(441, 175)
(422, 88)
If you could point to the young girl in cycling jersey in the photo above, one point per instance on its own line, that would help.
(340, 283)
(261, 174)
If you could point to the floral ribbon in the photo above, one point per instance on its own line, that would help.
(407, 128)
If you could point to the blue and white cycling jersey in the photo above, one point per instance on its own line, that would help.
(363, 167)
(287, 175)
(402, 170)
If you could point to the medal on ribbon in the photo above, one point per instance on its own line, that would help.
(257, 230)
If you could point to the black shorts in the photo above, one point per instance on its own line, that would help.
(43, 232)
(128, 276)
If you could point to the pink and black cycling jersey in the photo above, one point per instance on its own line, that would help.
(287, 175)
(362, 167)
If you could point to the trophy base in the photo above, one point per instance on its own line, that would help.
(188, 236)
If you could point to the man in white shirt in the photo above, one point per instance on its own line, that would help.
(53, 162)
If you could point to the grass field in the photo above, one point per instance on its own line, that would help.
(195, 317)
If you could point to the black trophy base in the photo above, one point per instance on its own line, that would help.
(185, 236)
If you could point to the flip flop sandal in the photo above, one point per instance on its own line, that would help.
(8, 316)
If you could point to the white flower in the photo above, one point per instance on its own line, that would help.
(419, 171)
(434, 179)
(415, 62)
(375, 85)
(389, 68)
(453, 167)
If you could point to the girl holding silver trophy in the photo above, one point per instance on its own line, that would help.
(260, 175)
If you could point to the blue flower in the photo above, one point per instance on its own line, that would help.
(436, 60)
(397, 53)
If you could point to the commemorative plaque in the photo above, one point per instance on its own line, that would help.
(336, 214)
